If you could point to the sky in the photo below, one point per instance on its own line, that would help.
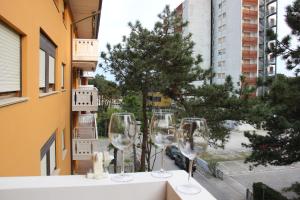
(117, 13)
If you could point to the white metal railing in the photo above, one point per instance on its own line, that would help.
(87, 74)
(83, 149)
(85, 99)
(86, 50)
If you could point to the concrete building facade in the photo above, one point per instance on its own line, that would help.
(226, 35)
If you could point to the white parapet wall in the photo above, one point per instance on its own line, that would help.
(143, 187)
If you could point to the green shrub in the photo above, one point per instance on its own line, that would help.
(264, 192)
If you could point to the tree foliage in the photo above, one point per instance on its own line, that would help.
(147, 59)
(281, 146)
(285, 48)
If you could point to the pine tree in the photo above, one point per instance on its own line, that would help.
(285, 47)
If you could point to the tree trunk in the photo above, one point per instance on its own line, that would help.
(134, 157)
(145, 132)
(116, 159)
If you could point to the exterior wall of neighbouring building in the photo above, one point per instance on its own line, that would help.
(26, 126)
(227, 45)
(220, 36)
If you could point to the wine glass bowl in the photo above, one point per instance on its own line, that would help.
(121, 131)
(192, 142)
(163, 134)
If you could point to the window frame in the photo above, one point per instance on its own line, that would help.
(49, 47)
(46, 150)
(63, 73)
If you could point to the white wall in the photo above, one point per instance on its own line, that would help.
(233, 43)
(197, 13)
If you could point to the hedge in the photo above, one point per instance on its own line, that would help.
(264, 192)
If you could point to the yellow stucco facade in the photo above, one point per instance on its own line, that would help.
(27, 125)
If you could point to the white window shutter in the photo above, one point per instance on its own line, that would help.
(42, 69)
(51, 69)
(44, 165)
(62, 75)
(10, 60)
(52, 158)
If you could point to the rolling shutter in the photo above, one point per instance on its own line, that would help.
(51, 69)
(10, 60)
(42, 69)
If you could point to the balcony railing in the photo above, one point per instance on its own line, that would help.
(85, 99)
(143, 187)
(88, 74)
(250, 14)
(248, 27)
(250, 81)
(249, 54)
(87, 127)
(249, 68)
(249, 40)
(85, 53)
(250, 2)
(83, 149)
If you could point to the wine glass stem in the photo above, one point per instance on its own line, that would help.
(190, 170)
(122, 166)
(162, 159)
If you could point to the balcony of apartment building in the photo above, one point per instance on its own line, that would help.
(272, 22)
(250, 2)
(249, 68)
(250, 14)
(271, 10)
(85, 137)
(270, 1)
(249, 54)
(250, 27)
(249, 41)
(85, 98)
(85, 54)
(77, 187)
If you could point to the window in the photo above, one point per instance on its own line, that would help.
(10, 60)
(48, 157)
(63, 140)
(221, 51)
(47, 64)
(221, 63)
(62, 76)
(220, 75)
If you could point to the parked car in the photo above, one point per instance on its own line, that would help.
(180, 161)
(171, 151)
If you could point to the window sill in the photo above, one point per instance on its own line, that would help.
(12, 100)
(64, 154)
(48, 94)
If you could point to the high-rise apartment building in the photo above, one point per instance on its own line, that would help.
(46, 119)
(268, 17)
(226, 35)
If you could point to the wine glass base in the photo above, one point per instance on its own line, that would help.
(122, 178)
(161, 174)
(189, 189)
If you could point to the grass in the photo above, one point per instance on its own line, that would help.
(224, 157)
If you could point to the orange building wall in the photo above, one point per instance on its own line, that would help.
(26, 126)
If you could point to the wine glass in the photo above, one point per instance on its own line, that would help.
(122, 130)
(162, 129)
(192, 141)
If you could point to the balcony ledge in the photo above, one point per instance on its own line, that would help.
(143, 187)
